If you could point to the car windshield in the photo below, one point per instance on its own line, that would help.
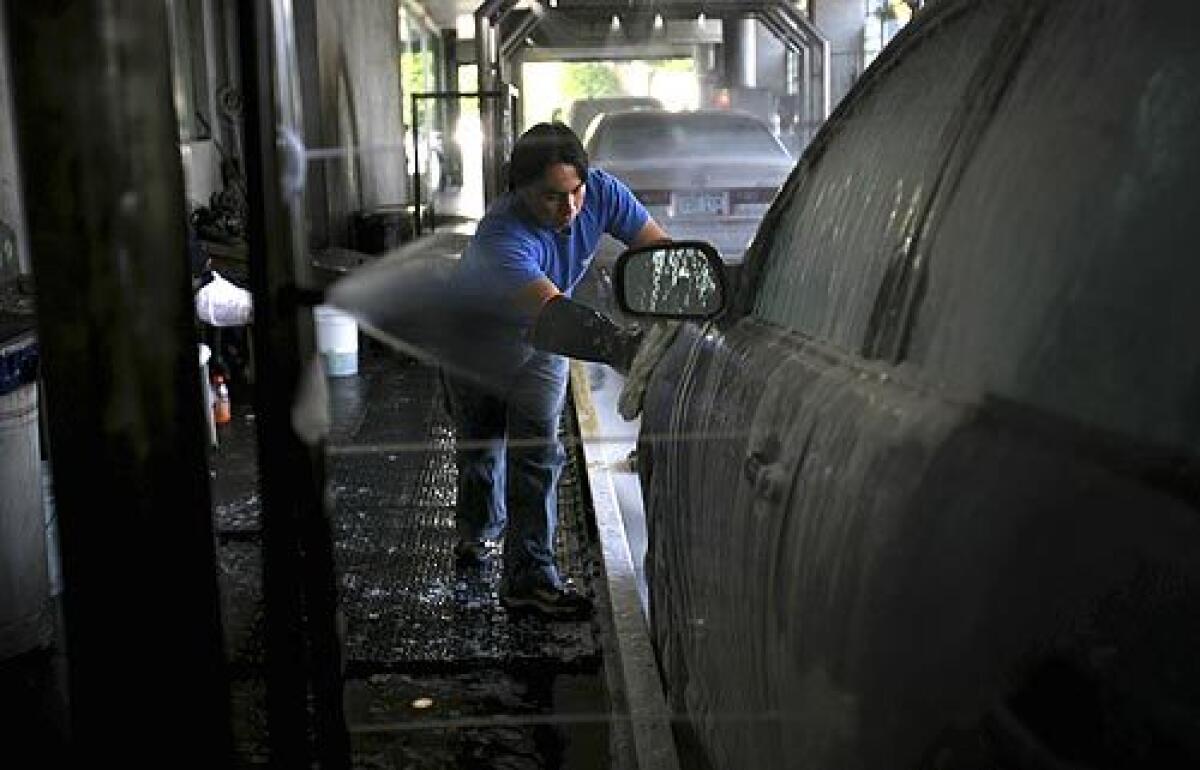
(644, 136)
(582, 113)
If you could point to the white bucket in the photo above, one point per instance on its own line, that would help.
(24, 576)
(337, 341)
(206, 392)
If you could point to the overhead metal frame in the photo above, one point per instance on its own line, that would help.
(452, 97)
(799, 33)
(496, 48)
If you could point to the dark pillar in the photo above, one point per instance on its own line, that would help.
(303, 652)
(105, 209)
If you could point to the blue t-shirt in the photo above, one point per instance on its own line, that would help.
(511, 249)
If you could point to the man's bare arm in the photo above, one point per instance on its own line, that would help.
(531, 297)
(651, 232)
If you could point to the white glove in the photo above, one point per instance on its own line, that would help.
(654, 344)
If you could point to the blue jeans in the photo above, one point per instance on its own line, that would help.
(509, 461)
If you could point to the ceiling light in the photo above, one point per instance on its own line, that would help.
(465, 24)
(658, 21)
(553, 3)
(616, 23)
(701, 20)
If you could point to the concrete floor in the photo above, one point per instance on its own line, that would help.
(613, 438)
(438, 674)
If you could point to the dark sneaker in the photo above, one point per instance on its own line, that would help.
(552, 601)
(596, 375)
(470, 554)
(626, 465)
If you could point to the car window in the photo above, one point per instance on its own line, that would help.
(582, 113)
(646, 136)
(1061, 275)
(856, 203)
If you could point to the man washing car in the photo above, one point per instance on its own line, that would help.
(529, 252)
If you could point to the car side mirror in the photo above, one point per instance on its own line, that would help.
(681, 280)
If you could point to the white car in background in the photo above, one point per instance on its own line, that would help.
(705, 175)
(584, 111)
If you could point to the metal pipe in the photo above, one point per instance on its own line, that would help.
(780, 31)
(826, 79)
(802, 23)
(809, 118)
(416, 177)
(739, 38)
(483, 68)
(106, 213)
(817, 44)
(514, 40)
(816, 64)
(514, 111)
(449, 80)
(487, 58)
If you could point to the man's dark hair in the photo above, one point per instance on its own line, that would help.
(542, 146)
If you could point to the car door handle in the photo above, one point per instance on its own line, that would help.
(761, 468)
(754, 466)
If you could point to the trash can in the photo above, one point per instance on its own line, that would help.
(337, 341)
(25, 617)
(384, 227)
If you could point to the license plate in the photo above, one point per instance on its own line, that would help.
(702, 204)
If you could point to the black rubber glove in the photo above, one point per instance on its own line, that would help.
(571, 329)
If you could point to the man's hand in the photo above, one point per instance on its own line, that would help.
(625, 346)
(533, 296)
(645, 359)
(651, 232)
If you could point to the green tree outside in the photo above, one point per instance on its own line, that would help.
(674, 65)
(589, 80)
(416, 76)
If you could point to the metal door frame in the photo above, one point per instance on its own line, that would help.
(494, 50)
(509, 91)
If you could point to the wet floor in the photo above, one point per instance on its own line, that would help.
(439, 675)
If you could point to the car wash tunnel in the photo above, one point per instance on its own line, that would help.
(873, 452)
